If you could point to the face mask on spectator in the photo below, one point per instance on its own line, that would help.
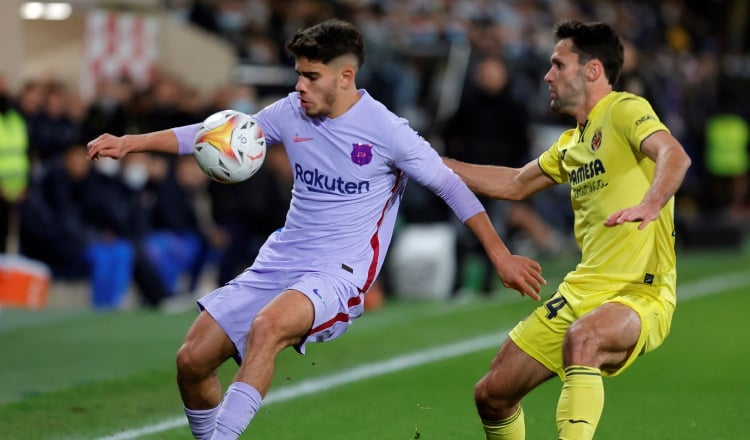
(243, 105)
(107, 103)
(230, 21)
(107, 166)
(135, 176)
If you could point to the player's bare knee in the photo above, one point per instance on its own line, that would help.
(581, 345)
(189, 367)
(269, 333)
(491, 403)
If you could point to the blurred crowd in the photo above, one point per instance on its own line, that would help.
(149, 221)
(690, 58)
(157, 222)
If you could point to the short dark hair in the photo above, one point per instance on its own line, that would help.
(328, 40)
(595, 40)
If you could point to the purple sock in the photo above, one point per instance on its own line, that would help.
(201, 422)
(240, 404)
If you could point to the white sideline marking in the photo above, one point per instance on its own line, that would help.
(355, 374)
(693, 290)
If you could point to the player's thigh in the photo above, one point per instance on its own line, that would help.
(285, 320)
(605, 336)
(655, 314)
(336, 303)
(513, 374)
(206, 345)
(541, 334)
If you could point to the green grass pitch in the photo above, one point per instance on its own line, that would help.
(83, 375)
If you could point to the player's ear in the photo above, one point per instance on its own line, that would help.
(593, 70)
(347, 75)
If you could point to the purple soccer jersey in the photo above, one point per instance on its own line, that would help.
(349, 174)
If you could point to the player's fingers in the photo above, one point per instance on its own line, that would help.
(615, 218)
(94, 148)
(644, 223)
(532, 289)
(609, 221)
(535, 271)
(539, 278)
(529, 289)
(536, 267)
(526, 287)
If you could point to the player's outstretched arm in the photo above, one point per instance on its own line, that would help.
(672, 163)
(500, 182)
(517, 272)
(116, 147)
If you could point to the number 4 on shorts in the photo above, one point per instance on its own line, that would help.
(554, 305)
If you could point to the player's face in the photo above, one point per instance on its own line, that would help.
(566, 79)
(317, 85)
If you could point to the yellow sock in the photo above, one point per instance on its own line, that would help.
(581, 403)
(512, 428)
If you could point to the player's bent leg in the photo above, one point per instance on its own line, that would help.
(512, 375)
(206, 346)
(283, 322)
(603, 338)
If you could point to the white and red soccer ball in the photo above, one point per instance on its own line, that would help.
(230, 146)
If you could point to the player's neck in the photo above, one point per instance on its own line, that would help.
(591, 99)
(345, 101)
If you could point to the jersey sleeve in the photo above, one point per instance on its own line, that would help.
(550, 161)
(636, 120)
(186, 138)
(416, 157)
(269, 119)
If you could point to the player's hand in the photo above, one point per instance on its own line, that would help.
(522, 274)
(643, 213)
(106, 145)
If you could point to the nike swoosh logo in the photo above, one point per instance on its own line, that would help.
(301, 139)
(315, 291)
(578, 421)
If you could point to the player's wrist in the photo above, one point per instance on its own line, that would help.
(128, 144)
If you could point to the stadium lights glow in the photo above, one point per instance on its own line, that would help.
(45, 11)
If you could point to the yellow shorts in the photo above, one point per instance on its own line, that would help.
(542, 333)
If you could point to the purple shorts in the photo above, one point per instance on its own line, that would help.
(336, 301)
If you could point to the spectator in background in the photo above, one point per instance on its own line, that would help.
(728, 160)
(57, 229)
(85, 223)
(108, 110)
(490, 127)
(14, 161)
(179, 241)
(165, 102)
(129, 214)
(53, 130)
(30, 104)
(248, 212)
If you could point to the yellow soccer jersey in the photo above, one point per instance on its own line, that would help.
(607, 172)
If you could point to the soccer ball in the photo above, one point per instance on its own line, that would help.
(230, 146)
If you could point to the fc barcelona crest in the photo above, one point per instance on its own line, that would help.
(361, 154)
(596, 141)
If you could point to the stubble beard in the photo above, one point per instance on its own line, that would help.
(567, 102)
(325, 110)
